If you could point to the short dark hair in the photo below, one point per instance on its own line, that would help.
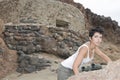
(96, 29)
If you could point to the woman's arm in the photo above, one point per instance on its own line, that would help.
(102, 55)
(79, 59)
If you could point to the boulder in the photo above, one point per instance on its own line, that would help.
(110, 72)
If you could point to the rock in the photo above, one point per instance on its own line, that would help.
(60, 42)
(8, 60)
(46, 12)
(31, 63)
(30, 36)
(110, 72)
(1, 26)
(91, 19)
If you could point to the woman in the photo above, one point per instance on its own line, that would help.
(83, 55)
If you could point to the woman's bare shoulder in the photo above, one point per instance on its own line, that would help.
(83, 49)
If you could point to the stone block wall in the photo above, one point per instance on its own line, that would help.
(33, 38)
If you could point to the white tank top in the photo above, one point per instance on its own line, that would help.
(68, 63)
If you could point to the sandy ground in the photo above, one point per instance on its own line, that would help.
(39, 75)
(47, 74)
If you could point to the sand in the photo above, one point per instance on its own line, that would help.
(46, 74)
(50, 73)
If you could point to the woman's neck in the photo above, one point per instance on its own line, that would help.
(91, 45)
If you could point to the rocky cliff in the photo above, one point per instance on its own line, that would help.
(92, 19)
(49, 26)
(43, 12)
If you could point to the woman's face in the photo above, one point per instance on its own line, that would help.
(96, 39)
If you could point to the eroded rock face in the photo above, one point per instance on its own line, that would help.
(92, 19)
(31, 63)
(8, 59)
(45, 12)
(34, 38)
(110, 72)
(1, 26)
